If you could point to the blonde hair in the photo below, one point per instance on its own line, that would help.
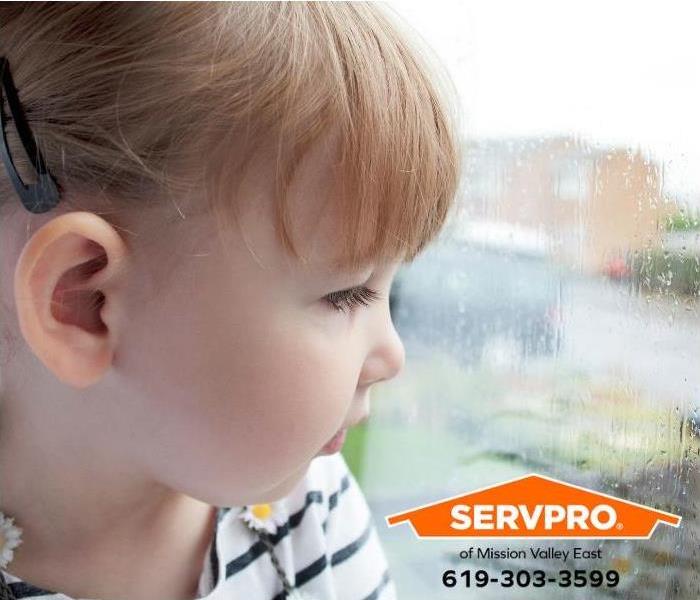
(127, 100)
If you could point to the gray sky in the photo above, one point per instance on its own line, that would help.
(619, 72)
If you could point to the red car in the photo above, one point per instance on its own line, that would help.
(617, 268)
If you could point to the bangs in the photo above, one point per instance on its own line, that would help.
(345, 68)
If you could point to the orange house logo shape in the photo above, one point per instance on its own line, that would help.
(534, 506)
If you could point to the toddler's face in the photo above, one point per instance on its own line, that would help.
(236, 370)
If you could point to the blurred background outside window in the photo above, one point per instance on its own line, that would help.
(554, 327)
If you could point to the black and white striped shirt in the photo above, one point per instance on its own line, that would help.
(328, 547)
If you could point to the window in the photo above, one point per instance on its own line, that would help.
(572, 180)
(562, 334)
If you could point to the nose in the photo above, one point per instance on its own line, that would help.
(386, 358)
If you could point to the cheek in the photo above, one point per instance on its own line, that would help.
(228, 394)
(234, 402)
(280, 401)
(294, 393)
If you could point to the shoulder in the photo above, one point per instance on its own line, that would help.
(327, 542)
(355, 556)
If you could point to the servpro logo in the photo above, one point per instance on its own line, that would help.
(534, 506)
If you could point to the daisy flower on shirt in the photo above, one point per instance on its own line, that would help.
(9, 539)
(263, 517)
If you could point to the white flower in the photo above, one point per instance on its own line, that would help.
(9, 539)
(266, 517)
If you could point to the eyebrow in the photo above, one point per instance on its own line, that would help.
(318, 272)
(352, 276)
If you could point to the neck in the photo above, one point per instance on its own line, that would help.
(92, 528)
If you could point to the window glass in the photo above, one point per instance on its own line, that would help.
(554, 327)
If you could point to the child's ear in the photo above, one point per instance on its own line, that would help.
(69, 283)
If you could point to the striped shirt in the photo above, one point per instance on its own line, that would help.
(328, 547)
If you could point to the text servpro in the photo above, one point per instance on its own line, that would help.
(510, 516)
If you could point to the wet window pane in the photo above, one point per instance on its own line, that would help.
(554, 327)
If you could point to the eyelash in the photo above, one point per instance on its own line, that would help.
(346, 300)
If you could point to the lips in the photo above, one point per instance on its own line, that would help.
(335, 443)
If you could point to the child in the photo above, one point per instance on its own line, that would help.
(196, 261)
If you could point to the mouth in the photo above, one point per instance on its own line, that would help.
(335, 444)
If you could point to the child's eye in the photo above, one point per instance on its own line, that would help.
(346, 300)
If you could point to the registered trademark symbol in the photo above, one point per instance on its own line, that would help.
(618, 526)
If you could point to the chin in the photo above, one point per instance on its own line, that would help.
(284, 487)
